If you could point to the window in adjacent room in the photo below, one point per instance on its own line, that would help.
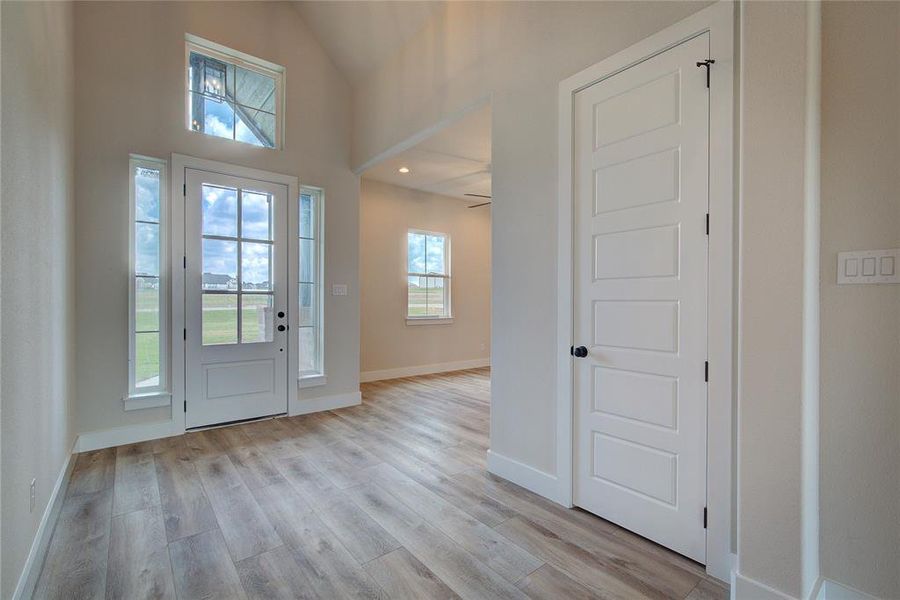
(148, 285)
(428, 275)
(233, 95)
(310, 293)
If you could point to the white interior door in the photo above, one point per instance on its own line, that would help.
(235, 298)
(641, 165)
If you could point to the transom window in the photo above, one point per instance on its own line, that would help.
(233, 95)
(428, 275)
(310, 294)
(237, 248)
(148, 286)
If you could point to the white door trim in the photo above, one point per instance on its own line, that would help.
(719, 21)
(180, 162)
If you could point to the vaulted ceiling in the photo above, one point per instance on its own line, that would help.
(360, 35)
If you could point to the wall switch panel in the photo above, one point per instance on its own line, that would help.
(869, 266)
(339, 289)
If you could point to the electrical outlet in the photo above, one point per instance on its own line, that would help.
(32, 494)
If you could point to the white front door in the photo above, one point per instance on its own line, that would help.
(236, 340)
(641, 165)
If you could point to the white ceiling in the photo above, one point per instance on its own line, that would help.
(358, 35)
(453, 162)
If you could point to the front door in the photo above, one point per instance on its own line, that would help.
(641, 166)
(236, 342)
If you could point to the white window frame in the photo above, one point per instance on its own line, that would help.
(316, 376)
(446, 318)
(159, 395)
(194, 43)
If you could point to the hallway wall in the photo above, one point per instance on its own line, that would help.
(38, 280)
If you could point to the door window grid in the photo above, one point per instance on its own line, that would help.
(223, 292)
(147, 288)
(310, 300)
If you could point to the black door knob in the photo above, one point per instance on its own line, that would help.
(281, 328)
(280, 314)
(580, 352)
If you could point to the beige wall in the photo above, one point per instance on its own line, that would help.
(516, 53)
(37, 282)
(130, 98)
(860, 407)
(771, 293)
(387, 342)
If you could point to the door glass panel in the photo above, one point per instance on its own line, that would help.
(307, 349)
(146, 357)
(307, 254)
(256, 266)
(219, 265)
(307, 226)
(256, 216)
(146, 194)
(146, 304)
(146, 249)
(256, 318)
(219, 211)
(220, 319)
(307, 304)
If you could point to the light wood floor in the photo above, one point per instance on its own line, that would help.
(389, 499)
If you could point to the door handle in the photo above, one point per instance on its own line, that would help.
(281, 328)
(280, 314)
(579, 352)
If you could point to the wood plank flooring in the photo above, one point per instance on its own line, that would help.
(389, 499)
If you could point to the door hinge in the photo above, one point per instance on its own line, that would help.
(706, 63)
(706, 371)
(704, 517)
(184, 265)
(185, 406)
(707, 223)
(185, 333)
(184, 185)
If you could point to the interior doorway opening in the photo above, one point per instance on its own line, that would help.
(425, 254)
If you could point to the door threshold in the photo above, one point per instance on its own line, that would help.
(237, 422)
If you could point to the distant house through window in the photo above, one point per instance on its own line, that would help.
(428, 275)
(233, 95)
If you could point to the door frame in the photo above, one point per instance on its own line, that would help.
(179, 163)
(719, 21)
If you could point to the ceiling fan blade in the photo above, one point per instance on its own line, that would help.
(478, 205)
(476, 195)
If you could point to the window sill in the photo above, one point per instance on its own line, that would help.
(142, 401)
(308, 381)
(429, 320)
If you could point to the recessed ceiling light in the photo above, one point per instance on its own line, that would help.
(403, 169)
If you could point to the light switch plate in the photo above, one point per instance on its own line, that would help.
(869, 266)
(339, 289)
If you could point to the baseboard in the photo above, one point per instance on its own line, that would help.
(32, 568)
(832, 590)
(311, 405)
(130, 434)
(458, 365)
(745, 588)
(528, 477)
